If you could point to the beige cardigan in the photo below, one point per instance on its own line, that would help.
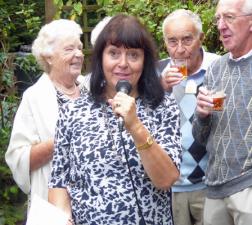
(34, 122)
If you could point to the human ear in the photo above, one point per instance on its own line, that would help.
(250, 25)
(202, 36)
(48, 59)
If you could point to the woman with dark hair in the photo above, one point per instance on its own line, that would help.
(106, 173)
(119, 33)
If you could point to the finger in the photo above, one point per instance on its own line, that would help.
(173, 74)
(203, 90)
(203, 112)
(169, 70)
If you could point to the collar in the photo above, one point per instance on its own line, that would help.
(242, 57)
(205, 62)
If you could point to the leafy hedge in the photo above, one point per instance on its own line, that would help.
(152, 14)
(20, 23)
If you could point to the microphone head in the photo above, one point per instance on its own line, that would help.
(123, 86)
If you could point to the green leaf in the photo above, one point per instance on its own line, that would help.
(78, 8)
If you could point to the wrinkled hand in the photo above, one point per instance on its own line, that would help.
(204, 103)
(170, 78)
(124, 105)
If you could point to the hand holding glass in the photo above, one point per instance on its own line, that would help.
(181, 65)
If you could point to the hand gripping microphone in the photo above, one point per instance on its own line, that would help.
(125, 87)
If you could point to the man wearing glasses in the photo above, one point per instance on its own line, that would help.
(183, 36)
(228, 133)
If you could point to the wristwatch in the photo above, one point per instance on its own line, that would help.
(147, 144)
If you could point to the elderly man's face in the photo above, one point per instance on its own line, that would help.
(67, 58)
(235, 27)
(183, 40)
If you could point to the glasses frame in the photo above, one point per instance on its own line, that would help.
(182, 41)
(228, 18)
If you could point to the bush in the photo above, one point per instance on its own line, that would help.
(11, 198)
(152, 14)
(19, 25)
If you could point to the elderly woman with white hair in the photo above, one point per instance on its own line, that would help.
(58, 50)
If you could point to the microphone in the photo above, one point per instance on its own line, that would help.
(125, 87)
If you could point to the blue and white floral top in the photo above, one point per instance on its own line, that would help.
(89, 161)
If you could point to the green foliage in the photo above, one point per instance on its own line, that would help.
(74, 10)
(70, 9)
(9, 192)
(152, 14)
(20, 22)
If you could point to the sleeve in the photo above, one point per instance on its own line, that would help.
(60, 163)
(24, 134)
(169, 136)
(201, 127)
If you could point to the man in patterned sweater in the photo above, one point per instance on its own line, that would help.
(228, 133)
(182, 31)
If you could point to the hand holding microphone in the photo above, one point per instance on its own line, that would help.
(120, 101)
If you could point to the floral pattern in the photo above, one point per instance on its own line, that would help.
(89, 161)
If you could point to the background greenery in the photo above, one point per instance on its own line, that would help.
(152, 14)
(20, 22)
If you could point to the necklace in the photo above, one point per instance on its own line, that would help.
(65, 91)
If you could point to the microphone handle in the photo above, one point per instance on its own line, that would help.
(120, 123)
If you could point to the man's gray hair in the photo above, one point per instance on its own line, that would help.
(246, 8)
(183, 13)
(49, 35)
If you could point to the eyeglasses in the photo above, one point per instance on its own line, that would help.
(185, 41)
(228, 18)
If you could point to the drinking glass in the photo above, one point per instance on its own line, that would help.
(181, 65)
(218, 96)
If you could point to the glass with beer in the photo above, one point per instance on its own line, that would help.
(181, 65)
(218, 99)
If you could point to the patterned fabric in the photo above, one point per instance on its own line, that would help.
(228, 133)
(89, 161)
(194, 160)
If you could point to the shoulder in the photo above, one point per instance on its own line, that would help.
(212, 56)
(209, 59)
(41, 87)
(41, 96)
(220, 61)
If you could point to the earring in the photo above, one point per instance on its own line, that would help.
(103, 83)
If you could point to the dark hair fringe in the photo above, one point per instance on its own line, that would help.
(127, 31)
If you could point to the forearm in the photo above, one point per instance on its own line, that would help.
(41, 154)
(60, 198)
(157, 164)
